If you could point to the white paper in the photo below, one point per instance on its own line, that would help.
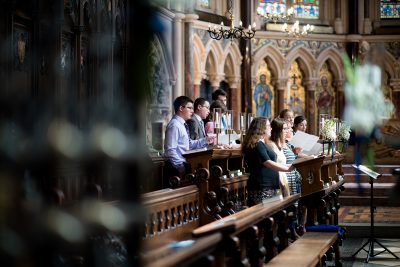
(315, 150)
(223, 139)
(304, 140)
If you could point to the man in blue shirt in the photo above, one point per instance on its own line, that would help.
(177, 139)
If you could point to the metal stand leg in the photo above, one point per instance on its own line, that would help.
(372, 240)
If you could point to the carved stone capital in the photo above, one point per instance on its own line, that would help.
(191, 17)
(311, 84)
(395, 84)
(233, 81)
(280, 84)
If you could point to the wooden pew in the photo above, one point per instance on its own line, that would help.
(172, 215)
(308, 251)
(251, 235)
(196, 254)
(224, 184)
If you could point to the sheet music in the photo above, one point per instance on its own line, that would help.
(314, 151)
(304, 140)
(223, 139)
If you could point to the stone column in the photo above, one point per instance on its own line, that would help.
(311, 113)
(339, 98)
(178, 54)
(189, 67)
(367, 21)
(234, 99)
(246, 51)
(280, 86)
(196, 90)
(338, 17)
(395, 86)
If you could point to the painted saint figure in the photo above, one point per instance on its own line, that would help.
(262, 97)
(325, 99)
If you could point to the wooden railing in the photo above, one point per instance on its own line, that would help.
(249, 235)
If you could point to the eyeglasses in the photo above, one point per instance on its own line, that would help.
(207, 107)
(189, 107)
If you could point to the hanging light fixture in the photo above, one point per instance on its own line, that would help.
(295, 30)
(275, 17)
(233, 32)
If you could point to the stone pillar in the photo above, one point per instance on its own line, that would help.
(178, 54)
(280, 86)
(311, 113)
(395, 86)
(189, 67)
(234, 99)
(246, 51)
(367, 21)
(338, 17)
(339, 98)
(196, 90)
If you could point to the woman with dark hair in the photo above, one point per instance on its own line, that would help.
(299, 124)
(264, 171)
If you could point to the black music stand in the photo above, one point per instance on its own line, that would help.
(371, 240)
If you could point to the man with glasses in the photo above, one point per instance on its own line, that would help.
(177, 139)
(196, 124)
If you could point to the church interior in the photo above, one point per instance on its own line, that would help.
(88, 95)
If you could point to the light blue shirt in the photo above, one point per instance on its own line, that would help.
(177, 142)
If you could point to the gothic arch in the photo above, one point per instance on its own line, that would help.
(334, 60)
(210, 66)
(216, 70)
(305, 59)
(232, 52)
(198, 59)
(389, 65)
(274, 59)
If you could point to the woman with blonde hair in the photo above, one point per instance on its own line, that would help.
(277, 141)
(264, 171)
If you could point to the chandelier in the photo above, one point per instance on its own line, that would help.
(232, 32)
(296, 31)
(275, 17)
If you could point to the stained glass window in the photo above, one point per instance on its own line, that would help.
(272, 6)
(205, 3)
(390, 9)
(307, 9)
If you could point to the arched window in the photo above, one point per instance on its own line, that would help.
(205, 3)
(307, 9)
(390, 9)
(273, 6)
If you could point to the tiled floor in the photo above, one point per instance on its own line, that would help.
(360, 214)
(351, 245)
(387, 218)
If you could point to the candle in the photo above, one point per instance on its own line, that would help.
(288, 92)
(228, 120)
(241, 121)
(216, 119)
